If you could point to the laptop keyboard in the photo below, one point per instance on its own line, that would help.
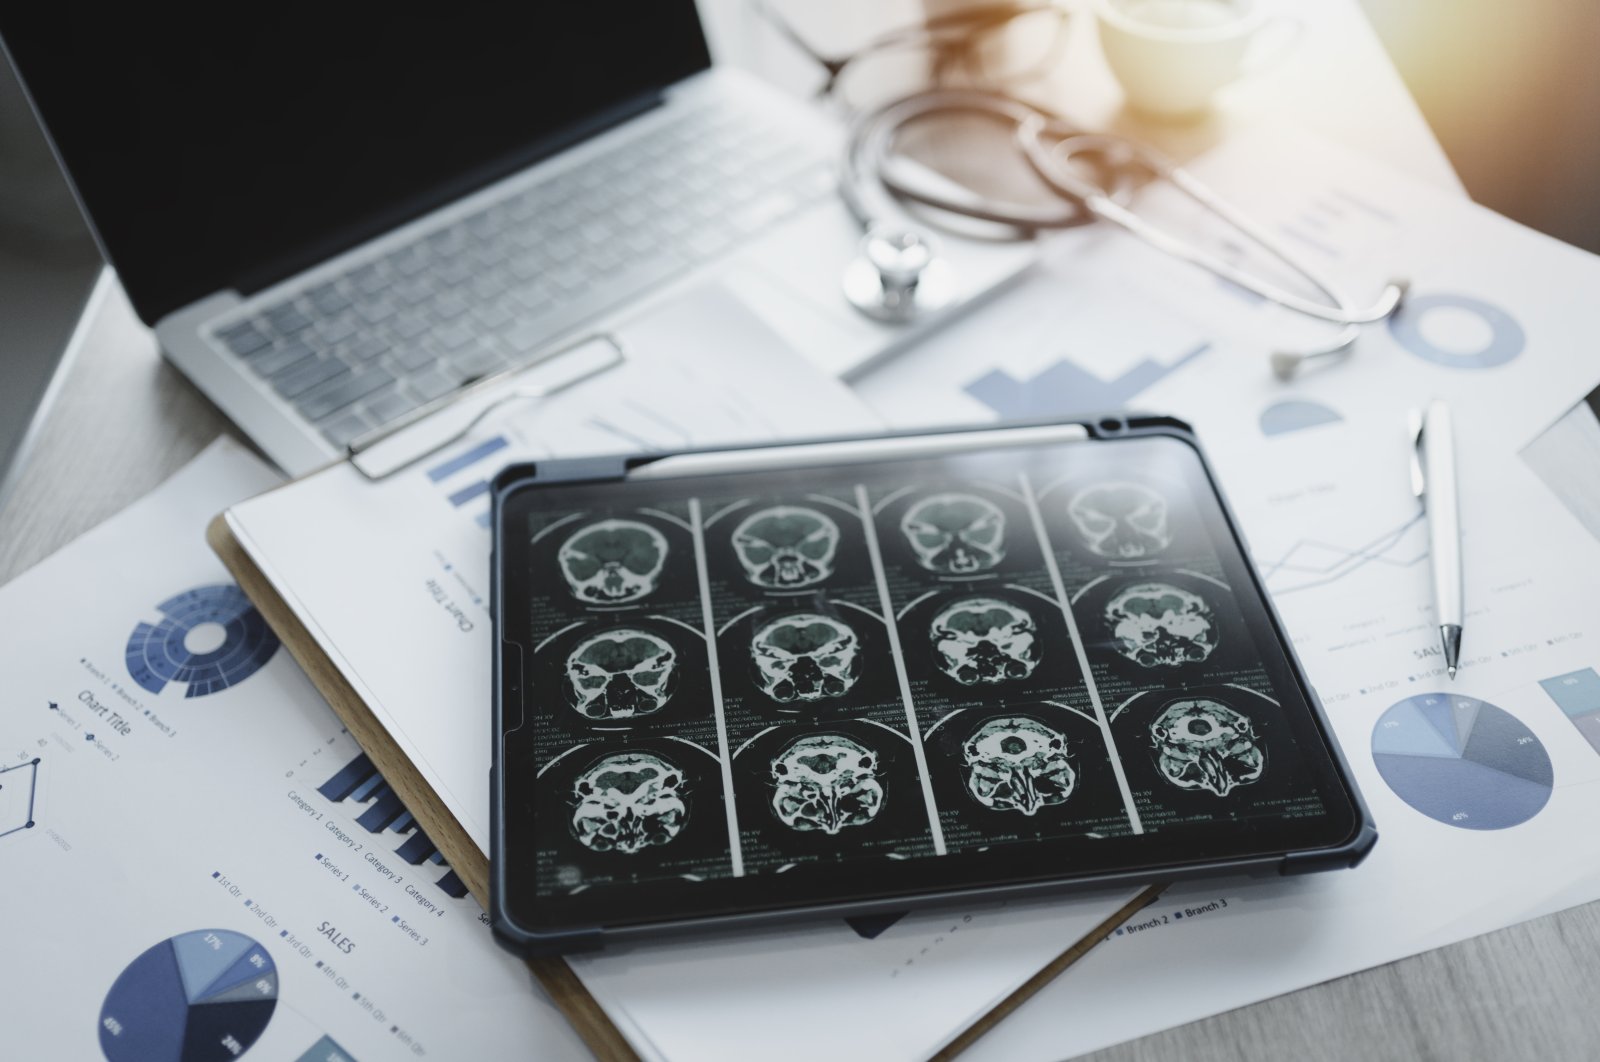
(485, 293)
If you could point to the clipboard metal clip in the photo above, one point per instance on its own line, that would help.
(370, 457)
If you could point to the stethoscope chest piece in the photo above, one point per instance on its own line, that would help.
(898, 276)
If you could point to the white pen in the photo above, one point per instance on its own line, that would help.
(1433, 478)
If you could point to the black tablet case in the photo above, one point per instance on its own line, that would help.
(508, 679)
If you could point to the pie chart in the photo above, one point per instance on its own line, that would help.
(1462, 761)
(204, 996)
(208, 639)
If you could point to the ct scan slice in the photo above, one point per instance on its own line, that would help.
(1121, 521)
(628, 802)
(826, 782)
(1016, 763)
(984, 640)
(623, 673)
(613, 562)
(1160, 625)
(805, 657)
(955, 534)
(1204, 744)
(786, 547)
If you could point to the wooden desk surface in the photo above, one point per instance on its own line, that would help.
(124, 420)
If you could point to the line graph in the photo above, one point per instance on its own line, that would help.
(19, 784)
(1311, 563)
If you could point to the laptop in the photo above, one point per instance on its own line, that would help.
(48, 268)
(333, 222)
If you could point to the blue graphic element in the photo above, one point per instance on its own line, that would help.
(360, 782)
(1065, 389)
(327, 1049)
(159, 654)
(462, 494)
(243, 980)
(467, 459)
(204, 957)
(1506, 339)
(1577, 694)
(1462, 761)
(204, 996)
(13, 816)
(1296, 414)
(469, 492)
(1414, 741)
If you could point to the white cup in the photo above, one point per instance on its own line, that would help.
(1171, 56)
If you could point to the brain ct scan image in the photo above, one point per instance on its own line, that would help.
(805, 657)
(1015, 763)
(628, 802)
(827, 783)
(1121, 521)
(613, 562)
(955, 534)
(984, 640)
(786, 547)
(1204, 744)
(621, 674)
(1159, 625)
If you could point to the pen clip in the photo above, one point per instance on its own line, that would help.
(1419, 479)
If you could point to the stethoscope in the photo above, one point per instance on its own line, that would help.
(899, 275)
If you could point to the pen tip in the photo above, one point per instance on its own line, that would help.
(1452, 671)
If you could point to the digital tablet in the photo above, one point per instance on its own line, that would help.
(856, 676)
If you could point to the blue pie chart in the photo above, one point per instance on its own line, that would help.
(208, 639)
(204, 996)
(1462, 761)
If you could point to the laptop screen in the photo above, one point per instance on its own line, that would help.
(212, 154)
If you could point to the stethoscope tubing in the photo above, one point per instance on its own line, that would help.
(1052, 163)
(874, 189)
(867, 172)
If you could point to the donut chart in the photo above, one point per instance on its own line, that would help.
(176, 650)
(1462, 761)
(204, 996)
(1504, 343)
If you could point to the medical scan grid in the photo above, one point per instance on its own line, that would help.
(892, 668)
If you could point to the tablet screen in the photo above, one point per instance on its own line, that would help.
(814, 685)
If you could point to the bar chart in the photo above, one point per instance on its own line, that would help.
(359, 782)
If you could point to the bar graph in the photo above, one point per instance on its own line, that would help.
(1067, 388)
(359, 782)
(1577, 694)
(466, 459)
(464, 477)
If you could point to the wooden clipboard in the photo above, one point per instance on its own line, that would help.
(472, 866)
